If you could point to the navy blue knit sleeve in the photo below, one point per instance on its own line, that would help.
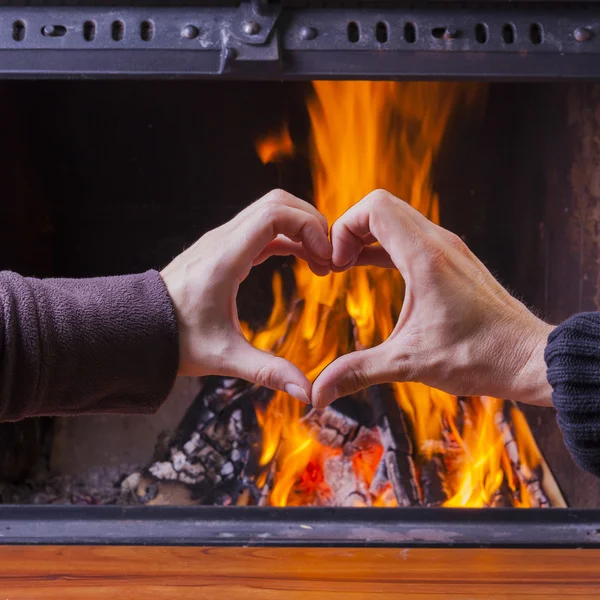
(573, 360)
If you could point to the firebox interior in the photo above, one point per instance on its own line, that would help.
(111, 177)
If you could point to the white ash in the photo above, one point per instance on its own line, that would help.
(96, 486)
(346, 488)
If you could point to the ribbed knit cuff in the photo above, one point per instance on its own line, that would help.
(573, 360)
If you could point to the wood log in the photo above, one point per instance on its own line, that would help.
(397, 445)
(330, 427)
(525, 475)
(446, 456)
(347, 488)
(502, 497)
(206, 461)
(433, 480)
(265, 492)
(380, 480)
(345, 483)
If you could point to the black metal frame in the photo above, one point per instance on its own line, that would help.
(253, 42)
(337, 527)
(550, 42)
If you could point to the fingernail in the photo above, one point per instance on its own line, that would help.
(345, 266)
(297, 392)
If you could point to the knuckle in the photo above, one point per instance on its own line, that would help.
(265, 376)
(272, 212)
(456, 242)
(380, 197)
(276, 196)
(382, 202)
(437, 257)
(357, 379)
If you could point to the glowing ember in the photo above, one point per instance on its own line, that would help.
(369, 135)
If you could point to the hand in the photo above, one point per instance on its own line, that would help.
(203, 283)
(459, 330)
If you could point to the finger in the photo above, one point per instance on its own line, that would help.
(354, 372)
(282, 246)
(251, 364)
(277, 219)
(400, 229)
(375, 256)
(282, 197)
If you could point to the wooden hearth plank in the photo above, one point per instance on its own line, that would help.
(157, 573)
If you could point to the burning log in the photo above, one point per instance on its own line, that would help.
(205, 462)
(265, 492)
(445, 456)
(433, 481)
(525, 475)
(347, 488)
(502, 498)
(397, 446)
(453, 449)
(331, 427)
(346, 472)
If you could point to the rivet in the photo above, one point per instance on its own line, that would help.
(251, 28)
(190, 32)
(308, 33)
(582, 34)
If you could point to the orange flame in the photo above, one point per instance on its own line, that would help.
(275, 147)
(368, 135)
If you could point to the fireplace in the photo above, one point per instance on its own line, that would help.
(118, 174)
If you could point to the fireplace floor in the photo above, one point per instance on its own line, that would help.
(88, 457)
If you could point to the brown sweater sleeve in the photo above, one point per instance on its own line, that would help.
(72, 346)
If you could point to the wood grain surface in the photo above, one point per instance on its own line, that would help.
(182, 573)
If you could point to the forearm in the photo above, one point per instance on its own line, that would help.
(88, 345)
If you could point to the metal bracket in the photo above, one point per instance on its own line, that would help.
(237, 57)
(251, 38)
(254, 21)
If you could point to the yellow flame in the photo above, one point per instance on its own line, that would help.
(369, 135)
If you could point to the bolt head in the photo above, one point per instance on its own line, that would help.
(308, 33)
(251, 28)
(582, 34)
(190, 32)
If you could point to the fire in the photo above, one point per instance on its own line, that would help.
(369, 135)
(275, 147)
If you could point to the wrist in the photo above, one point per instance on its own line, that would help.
(530, 384)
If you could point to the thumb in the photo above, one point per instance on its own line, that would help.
(251, 364)
(353, 372)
